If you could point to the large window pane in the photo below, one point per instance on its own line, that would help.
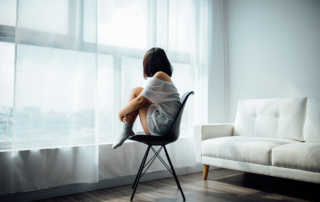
(183, 80)
(8, 12)
(45, 15)
(162, 24)
(123, 23)
(174, 25)
(107, 113)
(6, 90)
(180, 25)
(89, 20)
(54, 97)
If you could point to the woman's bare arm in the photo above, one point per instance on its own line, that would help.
(139, 101)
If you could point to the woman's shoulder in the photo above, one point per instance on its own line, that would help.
(162, 76)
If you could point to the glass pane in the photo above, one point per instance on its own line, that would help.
(174, 25)
(183, 80)
(89, 20)
(107, 113)
(45, 15)
(8, 12)
(182, 77)
(123, 23)
(6, 90)
(180, 28)
(54, 97)
(162, 24)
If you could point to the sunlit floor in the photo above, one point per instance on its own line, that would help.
(221, 185)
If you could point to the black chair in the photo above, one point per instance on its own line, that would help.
(162, 141)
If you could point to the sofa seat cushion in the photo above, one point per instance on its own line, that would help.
(240, 148)
(301, 156)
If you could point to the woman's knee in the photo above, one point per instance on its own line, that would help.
(137, 90)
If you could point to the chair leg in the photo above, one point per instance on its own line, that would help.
(205, 171)
(141, 168)
(139, 174)
(174, 173)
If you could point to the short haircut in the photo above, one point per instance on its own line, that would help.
(156, 60)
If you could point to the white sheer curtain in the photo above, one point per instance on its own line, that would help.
(55, 95)
(75, 64)
(126, 30)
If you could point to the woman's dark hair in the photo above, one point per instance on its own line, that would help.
(156, 60)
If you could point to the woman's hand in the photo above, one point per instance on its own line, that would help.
(125, 119)
(132, 106)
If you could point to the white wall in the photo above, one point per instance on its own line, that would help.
(217, 62)
(273, 50)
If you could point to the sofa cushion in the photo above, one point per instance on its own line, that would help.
(312, 124)
(277, 118)
(240, 148)
(301, 156)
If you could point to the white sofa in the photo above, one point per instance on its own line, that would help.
(276, 137)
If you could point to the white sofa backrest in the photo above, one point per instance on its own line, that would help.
(312, 124)
(277, 118)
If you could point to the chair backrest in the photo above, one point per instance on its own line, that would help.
(174, 132)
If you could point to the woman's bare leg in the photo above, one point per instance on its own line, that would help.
(135, 92)
(142, 112)
(129, 119)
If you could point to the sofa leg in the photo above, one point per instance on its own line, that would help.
(205, 171)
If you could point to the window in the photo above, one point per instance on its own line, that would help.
(8, 12)
(126, 30)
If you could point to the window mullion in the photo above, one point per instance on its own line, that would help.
(76, 20)
(117, 89)
(7, 33)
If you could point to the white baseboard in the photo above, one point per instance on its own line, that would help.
(102, 184)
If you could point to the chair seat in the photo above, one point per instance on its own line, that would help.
(151, 140)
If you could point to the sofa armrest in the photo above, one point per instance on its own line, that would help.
(204, 132)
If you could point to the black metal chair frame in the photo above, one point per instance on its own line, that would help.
(157, 153)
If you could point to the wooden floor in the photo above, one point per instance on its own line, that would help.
(221, 185)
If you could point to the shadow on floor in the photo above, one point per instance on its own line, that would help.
(277, 186)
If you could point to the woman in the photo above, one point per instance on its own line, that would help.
(157, 105)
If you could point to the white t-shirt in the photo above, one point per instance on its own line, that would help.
(166, 104)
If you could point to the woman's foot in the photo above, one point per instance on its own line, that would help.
(127, 132)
